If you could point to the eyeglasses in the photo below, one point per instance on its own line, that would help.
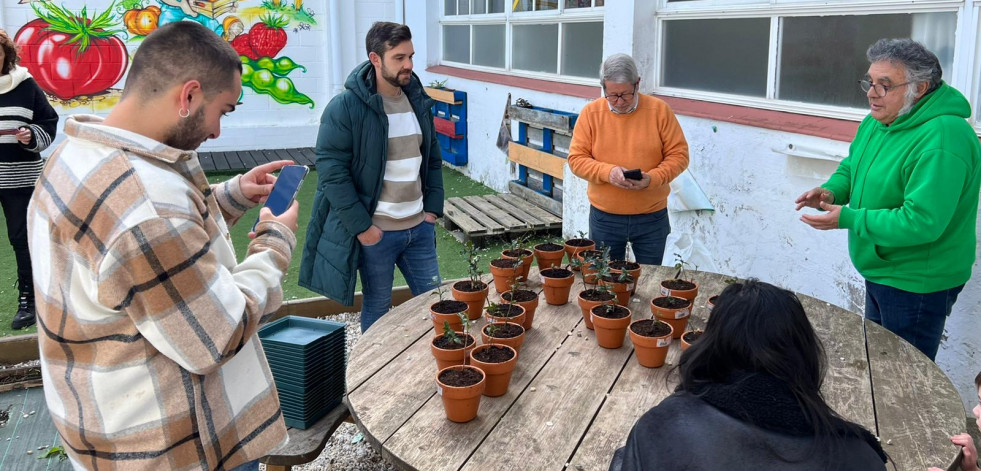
(880, 89)
(626, 97)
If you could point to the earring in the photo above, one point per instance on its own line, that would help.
(183, 113)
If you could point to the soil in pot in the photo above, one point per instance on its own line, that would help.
(711, 302)
(505, 263)
(549, 247)
(617, 312)
(621, 288)
(497, 362)
(460, 378)
(610, 324)
(678, 285)
(448, 344)
(556, 273)
(689, 337)
(549, 255)
(671, 302)
(524, 255)
(558, 283)
(580, 242)
(505, 270)
(505, 331)
(574, 246)
(494, 354)
(590, 298)
(448, 352)
(505, 310)
(624, 265)
(649, 328)
(673, 310)
(512, 335)
(449, 306)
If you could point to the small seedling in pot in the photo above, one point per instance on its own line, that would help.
(473, 264)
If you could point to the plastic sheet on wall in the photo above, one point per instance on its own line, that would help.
(692, 251)
(686, 195)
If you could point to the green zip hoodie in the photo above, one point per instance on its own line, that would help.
(911, 190)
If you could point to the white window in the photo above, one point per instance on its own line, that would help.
(552, 39)
(796, 55)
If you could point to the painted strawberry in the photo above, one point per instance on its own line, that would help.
(242, 47)
(268, 37)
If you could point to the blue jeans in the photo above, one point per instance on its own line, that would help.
(645, 232)
(917, 318)
(250, 466)
(413, 251)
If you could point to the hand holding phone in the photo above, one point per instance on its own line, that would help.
(7, 132)
(284, 191)
(633, 174)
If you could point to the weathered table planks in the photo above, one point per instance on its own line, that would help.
(235, 161)
(491, 215)
(305, 445)
(571, 403)
(22, 434)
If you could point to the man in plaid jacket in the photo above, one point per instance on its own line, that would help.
(146, 322)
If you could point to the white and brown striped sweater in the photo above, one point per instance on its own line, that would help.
(146, 322)
(23, 104)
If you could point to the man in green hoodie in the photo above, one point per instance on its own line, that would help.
(380, 185)
(907, 194)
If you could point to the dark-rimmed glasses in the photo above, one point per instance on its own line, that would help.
(880, 89)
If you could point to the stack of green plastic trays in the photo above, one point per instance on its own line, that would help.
(307, 359)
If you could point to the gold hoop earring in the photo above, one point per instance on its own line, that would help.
(183, 113)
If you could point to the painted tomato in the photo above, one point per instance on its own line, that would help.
(67, 69)
(142, 22)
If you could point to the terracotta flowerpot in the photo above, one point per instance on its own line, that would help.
(526, 257)
(446, 357)
(633, 268)
(710, 304)
(549, 258)
(504, 273)
(513, 342)
(685, 343)
(517, 318)
(530, 306)
(572, 246)
(558, 283)
(586, 305)
(622, 289)
(474, 299)
(676, 316)
(688, 294)
(461, 402)
(588, 268)
(610, 331)
(498, 374)
(456, 324)
(650, 350)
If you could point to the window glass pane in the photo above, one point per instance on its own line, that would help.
(449, 7)
(535, 47)
(463, 7)
(547, 4)
(488, 45)
(535, 5)
(582, 49)
(495, 6)
(523, 5)
(578, 3)
(456, 43)
(829, 74)
(479, 6)
(599, 3)
(728, 56)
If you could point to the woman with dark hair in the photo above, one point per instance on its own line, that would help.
(27, 126)
(750, 397)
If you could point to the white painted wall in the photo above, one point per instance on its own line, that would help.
(754, 230)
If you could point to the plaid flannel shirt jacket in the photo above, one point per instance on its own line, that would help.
(146, 322)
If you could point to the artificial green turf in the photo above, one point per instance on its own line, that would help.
(451, 263)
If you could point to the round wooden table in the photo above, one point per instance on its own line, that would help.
(572, 403)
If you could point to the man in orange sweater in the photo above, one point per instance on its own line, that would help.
(625, 131)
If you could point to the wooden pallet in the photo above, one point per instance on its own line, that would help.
(479, 217)
(243, 160)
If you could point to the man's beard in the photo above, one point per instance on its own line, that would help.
(189, 132)
(394, 79)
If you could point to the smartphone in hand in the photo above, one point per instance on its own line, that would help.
(284, 191)
(633, 174)
(7, 132)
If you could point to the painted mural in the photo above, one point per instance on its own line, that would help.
(79, 56)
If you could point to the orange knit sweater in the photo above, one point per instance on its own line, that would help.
(650, 139)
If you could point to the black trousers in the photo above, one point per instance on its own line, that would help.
(14, 202)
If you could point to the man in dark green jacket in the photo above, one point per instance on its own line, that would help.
(907, 193)
(380, 185)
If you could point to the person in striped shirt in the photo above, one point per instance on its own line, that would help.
(27, 126)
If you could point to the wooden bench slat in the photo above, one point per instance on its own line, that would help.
(550, 220)
(305, 446)
(511, 223)
(541, 119)
(493, 227)
(533, 158)
(513, 210)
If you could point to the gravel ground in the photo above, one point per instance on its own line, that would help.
(347, 449)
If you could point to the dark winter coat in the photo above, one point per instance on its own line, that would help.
(352, 149)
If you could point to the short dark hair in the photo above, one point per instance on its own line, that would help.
(977, 380)
(178, 52)
(385, 35)
(10, 56)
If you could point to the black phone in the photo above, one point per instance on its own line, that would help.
(633, 174)
(284, 191)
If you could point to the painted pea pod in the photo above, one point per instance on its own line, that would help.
(283, 91)
(281, 66)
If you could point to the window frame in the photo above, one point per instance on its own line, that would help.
(966, 43)
(509, 19)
